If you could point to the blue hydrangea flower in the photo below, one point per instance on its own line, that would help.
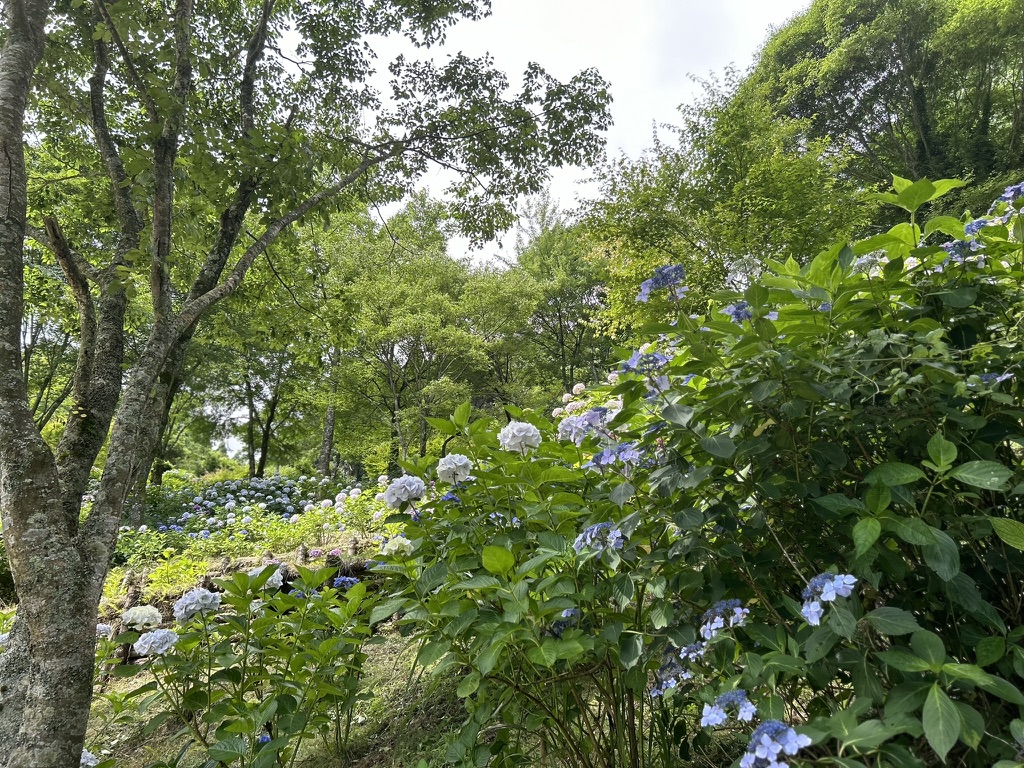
(345, 582)
(664, 277)
(263, 739)
(644, 363)
(994, 378)
(599, 537)
(450, 496)
(825, 588)
(825, 306)
(717, 615)
(1010, 194)
(770, 740)
(739, 312)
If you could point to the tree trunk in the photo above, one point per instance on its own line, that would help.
(250, 429)
(268, 426)
(323, 461)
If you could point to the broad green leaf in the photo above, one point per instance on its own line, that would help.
(929, 647)
(989, 650)
(892, 621)
(631, 646)
(941, 721)
(943, 556)
(916, 195)
(903, 660)
(719, 445)
(545, 654)
(621, 494)
(229, 750)
(982, 474)
(497, 560)
(468, 685)
(941, 451)
(865, 533)
(972, 724)
(386, 610)
(894, 473)
(461, 415)
(1010, 531)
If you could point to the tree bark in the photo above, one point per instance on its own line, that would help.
(323, 461)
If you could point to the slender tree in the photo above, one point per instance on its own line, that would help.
(205, 133)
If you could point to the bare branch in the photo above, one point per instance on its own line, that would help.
(254, 53)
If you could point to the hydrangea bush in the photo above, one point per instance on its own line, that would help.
(787, 532)
(252, 672)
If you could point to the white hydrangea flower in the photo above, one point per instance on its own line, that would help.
(156, 643)
(104, 630)
(613, 377)
(383, 480)
(576, 405)
(557, 412)
(327, 503)
(579, 389)
(5, 639)
(355, 492)
(519, 436)
(405, 488)
(89, 760)
(566, 397)
(198, 600)
(276, 578)
(454, 468)
(341, 496)
(141, 616)
(143, 528)
(379, 498)
(396, 545)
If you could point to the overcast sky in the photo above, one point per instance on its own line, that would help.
(647, 49)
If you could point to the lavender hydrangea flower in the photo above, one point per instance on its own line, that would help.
(669, 276)
(195, 601)
(717, 615)
(717, 713)
(599, 537)
(156, 643)
(739, 312)
(770, 740)
(824, 588)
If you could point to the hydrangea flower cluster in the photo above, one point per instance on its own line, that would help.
(576, 428)
(669, 276)
(198, 600)
(140, 617)
(88, 760)
(570, 616)
(599, 537)
(1010, 195)
(156, 643)
(623, 453)
(345, 582)
(770, 740)
(398, 544)
(716, 713)
(519, 437)
(739, 312)
(717, 615)
(454, 468)
(407, 488)
(645, 363)
(104, 630)
(824, 588)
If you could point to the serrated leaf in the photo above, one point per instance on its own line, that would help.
(631, 646)
(229, 750)
(545, 654)
(1010, 531)
(943, 556)
(990, 475)
(941, 721)
(892, 621)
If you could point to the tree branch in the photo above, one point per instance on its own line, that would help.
(44, 239)
(133, 74)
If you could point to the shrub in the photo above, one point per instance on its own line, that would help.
(787, 526)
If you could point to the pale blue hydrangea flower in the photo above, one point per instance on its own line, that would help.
(769, 742)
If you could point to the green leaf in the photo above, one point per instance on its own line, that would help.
(621, 494)
(941, 721)
(916, 195)
(229, 750)
(945, 224)
(972, 724)
(545, 654)
(468, 685)
(1010, 531)
(461, 415)
(432, 651)
(929, 647)
(631, 646)
(989, 650)
(677, 414)
(985, 681)
(497, 560)
(903, 660)
(982, 474)
(443, 426)
(719, 445)
(894, 473)
(943, 556)
(386, 610)
(892, 621)
(866, 533)
(941, 451)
